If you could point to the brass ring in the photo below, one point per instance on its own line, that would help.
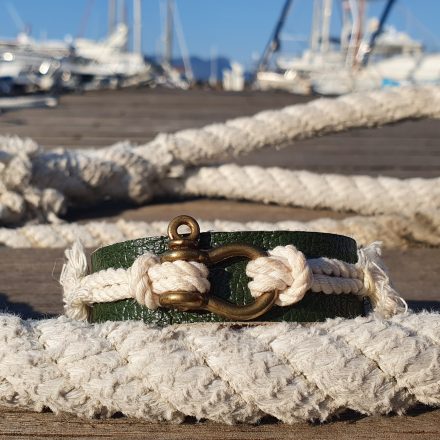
(182, 247)
(186, 220)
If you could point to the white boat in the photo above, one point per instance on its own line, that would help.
(27, 65)
(363, 60)
(233, 78)
(397, 71)
(26, 72)
(107, 60)
(288, 80)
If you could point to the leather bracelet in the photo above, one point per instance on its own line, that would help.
(228, 278)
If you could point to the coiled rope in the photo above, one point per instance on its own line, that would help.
(394, 230)
(38, 184)
(359, 194)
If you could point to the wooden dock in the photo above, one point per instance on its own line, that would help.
(29, 277)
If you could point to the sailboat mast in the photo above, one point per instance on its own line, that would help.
(354, 32)
(315, 36)
(168, 54)
(182, 46)
(120, 11)
(325, 30)
(383, 19)
(360, 30)
(274, 43)
(111, 16)
(137, 26)
(346, 26)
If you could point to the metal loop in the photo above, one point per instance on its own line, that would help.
(181, 220)
(183, 247)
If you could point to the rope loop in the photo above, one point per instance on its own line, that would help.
(139, 280)
(285, 270)
(144, 281)
(149, 278)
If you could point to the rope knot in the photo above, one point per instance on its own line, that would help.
(188, 276)
(149, 278)
(285, 270)
(139, 282)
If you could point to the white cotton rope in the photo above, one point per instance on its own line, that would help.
(285, 269)
(386, 362)
(38, 184)
(228, 374)
(393, 230)
(360, 194)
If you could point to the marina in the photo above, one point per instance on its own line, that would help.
(365, 54)
(368, 54)
(263, 318)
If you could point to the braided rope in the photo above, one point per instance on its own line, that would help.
(223, 373)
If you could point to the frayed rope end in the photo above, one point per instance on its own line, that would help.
(386, 301)
(73, 271)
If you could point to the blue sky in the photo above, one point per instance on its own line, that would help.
(238, 29)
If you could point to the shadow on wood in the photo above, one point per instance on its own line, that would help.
(23, 310)
(420, 306)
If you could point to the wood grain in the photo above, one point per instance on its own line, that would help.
(404, 149)
(419, 424)
(29, 285)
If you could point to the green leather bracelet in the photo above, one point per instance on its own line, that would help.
(228, 278)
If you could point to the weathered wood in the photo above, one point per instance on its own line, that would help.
(201, 208)
(404, 149)
(29, 285)
(422, 423)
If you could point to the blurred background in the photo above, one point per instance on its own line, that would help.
(327, 47)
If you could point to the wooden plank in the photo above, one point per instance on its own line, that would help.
(29, 285)
(404, 149)
(419, 424)
(200, 208)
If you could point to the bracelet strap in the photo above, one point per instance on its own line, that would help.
(228, 278)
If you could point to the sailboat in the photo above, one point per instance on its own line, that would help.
(167, 74)
(362, 58)
(27, 65)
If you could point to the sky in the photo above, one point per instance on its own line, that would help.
(237, 29)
